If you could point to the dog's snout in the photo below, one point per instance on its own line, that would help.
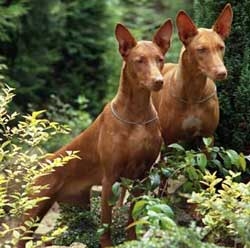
(158, 82)
(220, 73)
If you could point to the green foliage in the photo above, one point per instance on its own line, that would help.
(151, 213)
(29, 59)
(57, 47)
(187, 167)
(22, 160)
(233, 130)
(146, 16)
(83, 45)
(156, 228)
(76, 118)
(225, 211)
(9, 18)
(173, 238)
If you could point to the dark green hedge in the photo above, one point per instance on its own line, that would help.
(55, 47)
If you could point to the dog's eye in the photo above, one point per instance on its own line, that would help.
(221, 48)
(139, 60)
(160, 60)
(201, 49)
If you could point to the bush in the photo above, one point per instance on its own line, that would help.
(175, 238)
(189, 166)
(225, 212)
(156, 228)
(56, 47)
(22, 160)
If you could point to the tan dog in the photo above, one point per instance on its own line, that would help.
(188, 106)
(124, 140)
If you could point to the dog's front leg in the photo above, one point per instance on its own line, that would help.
(106, 211)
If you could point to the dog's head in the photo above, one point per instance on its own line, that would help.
(144, 60)
(206, 47)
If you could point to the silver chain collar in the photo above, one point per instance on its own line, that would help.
(198, 102)
(130, 122)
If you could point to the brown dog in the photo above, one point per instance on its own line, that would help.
(123, 141)
(188, 106)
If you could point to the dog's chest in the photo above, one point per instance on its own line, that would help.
(144, 139)
(192, 124)
(144, 147)
(198, 121)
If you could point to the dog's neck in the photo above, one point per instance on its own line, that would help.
(132, 101)
(190, 81)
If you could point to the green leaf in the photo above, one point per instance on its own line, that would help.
(155, 180)
(29, 244)
(16, 234)
(207, 141)
(126, 182)
(177, 147)
(138, 222)
(35, 114)
(242, 161)
(234, 156)
(167, 223)
(5, 226)
(116, 188)
(166, 171)
(138, 208)
(226, 160)
(163, 208)
(116, 192)
(202, 161)
(192, 174)
(6, 143)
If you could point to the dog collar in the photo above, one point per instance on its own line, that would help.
(116, 115)
(198, 102)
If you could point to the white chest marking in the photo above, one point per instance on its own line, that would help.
(192, 123)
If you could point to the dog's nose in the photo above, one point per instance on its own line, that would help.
(220, 73)
(158, 82)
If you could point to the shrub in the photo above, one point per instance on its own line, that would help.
(174, 238)
(22, 160)
(189, 166)
(156, 228)
(225, 212)
(56, 47)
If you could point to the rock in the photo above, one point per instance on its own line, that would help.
(78, 245)
(74, 245)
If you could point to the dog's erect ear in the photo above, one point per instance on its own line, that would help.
(222, 25)
(186, 28)
(125, 39)
(162, 37)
